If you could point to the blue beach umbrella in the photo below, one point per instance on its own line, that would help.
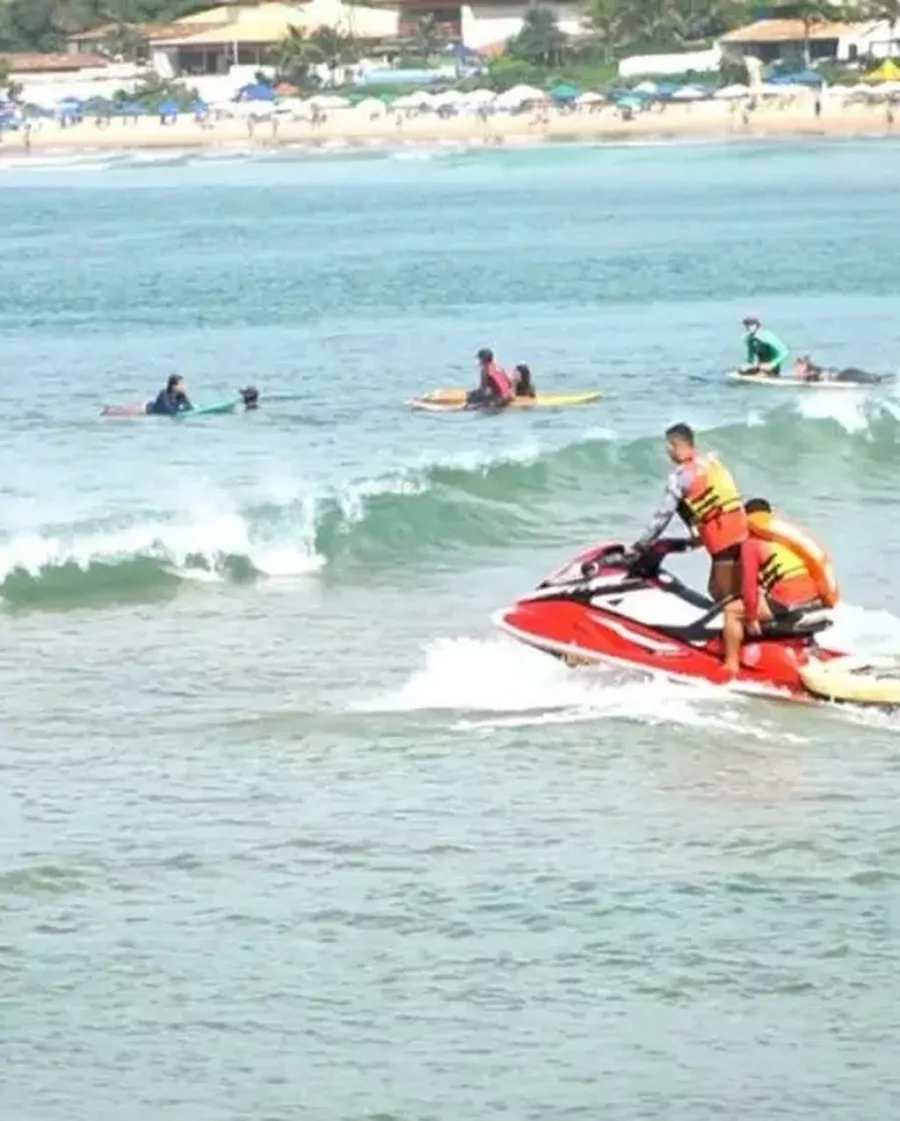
(257, 91)
(169, 109)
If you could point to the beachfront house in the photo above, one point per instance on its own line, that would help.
(486, 26)
(786, 40)
(245, 33)
(47, 78)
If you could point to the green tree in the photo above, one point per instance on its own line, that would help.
(540, 40)
(296, 55)
(427, 39)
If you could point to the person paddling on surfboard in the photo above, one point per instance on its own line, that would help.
(495, 389)
(766, 353)
(171, 400)
(250, 397)
(806, 370)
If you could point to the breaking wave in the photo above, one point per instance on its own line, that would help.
(848, 446)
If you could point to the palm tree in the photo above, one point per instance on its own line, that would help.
(540, 40)
(607, 20)
(296, 55)
(426, 37)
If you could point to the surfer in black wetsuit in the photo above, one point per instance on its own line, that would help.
(806, 370)
(171, 400)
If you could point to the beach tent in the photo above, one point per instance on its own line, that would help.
(564, 93)
(888, 71)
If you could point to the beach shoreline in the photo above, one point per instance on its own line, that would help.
(694, 123)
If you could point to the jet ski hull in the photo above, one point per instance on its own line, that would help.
(605, 619)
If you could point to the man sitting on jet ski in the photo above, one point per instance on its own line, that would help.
(783, 570)
(806, 370)
(702, 492)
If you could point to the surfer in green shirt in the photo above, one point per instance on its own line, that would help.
(766, 353)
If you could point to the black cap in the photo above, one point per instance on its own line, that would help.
(485, 355)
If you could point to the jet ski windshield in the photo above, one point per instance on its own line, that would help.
(613, 556)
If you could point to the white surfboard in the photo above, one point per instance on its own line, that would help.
(793, 383)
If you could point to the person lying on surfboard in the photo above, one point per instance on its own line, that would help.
(171, 400)
(806, 370)
(766, 353)
(495, 388)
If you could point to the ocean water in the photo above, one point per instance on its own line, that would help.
(286, 830)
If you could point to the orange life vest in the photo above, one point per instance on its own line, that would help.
(714, 506)
(793, 553)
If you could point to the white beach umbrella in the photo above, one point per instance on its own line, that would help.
(370, 105)
(519, 95)
(590, 98)
(731, 93)
(413, 101)
(449, 97)
(646, 87)
(479, 97)
(689, 93)
(328, 101)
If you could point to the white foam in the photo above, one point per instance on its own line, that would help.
(504, 678)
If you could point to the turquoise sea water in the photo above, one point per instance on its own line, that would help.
(287, 830)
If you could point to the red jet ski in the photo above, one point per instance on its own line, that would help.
(611, 604)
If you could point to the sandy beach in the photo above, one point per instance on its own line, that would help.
(706, 120)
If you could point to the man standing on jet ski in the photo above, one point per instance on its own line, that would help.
(766, 353)
(702, 492)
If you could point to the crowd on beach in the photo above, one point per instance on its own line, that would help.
(261, 115)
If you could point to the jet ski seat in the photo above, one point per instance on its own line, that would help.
(804, 622)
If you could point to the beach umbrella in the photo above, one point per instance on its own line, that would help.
(329, 101)
(370, 105)
(169, 109)
(256, 91)
(564, 92)
(420, 100)
(645, 87)
(285, 89)
(689, 93)
(731, 93)
(888, 71)
(629, 102)
(480, 97)
(590, 98)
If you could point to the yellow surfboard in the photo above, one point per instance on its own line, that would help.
(454, 400)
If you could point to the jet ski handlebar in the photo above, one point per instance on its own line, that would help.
(616, 555)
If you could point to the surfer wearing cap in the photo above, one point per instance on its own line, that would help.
(766, 353)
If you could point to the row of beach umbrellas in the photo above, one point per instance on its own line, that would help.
(262, 100)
